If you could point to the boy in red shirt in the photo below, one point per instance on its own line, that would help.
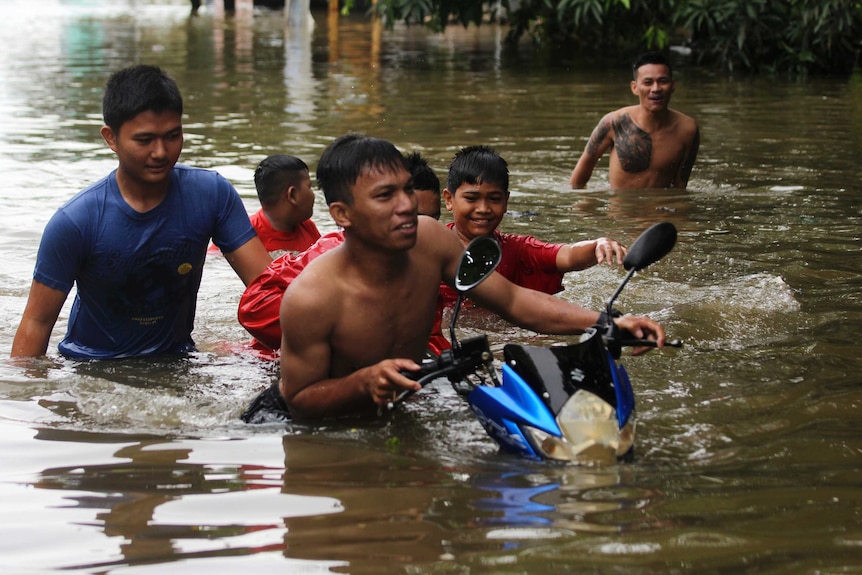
(477, 194)
(283, 222)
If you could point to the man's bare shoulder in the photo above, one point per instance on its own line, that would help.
(438, 244)
(686, 125)
(435, 237)
(630, 111)
(607, 121)
(623, 120)
(316, 287)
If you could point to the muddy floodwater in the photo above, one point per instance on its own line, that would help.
(749, 439)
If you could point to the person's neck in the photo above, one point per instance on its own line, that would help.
(373, 263)
(465, 239)
(652, 121)
(280, 225)
(142, 197)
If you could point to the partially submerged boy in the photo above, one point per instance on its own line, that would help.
(135, 242)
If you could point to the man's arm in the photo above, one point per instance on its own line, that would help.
(249, 260)
(585, 254)
(600, 141)
(688, 163)
(40, 314)
(547, 314)
(531, 309)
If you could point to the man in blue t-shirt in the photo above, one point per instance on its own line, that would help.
(135, 242)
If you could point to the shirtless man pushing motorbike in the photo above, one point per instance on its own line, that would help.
(363, 311)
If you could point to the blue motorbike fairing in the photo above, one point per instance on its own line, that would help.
(625, 394)
(502, 409)
(555, 373)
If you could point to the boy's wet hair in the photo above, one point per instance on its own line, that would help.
(475, 165)
(424, 177)
(139, 89)
(344, 160)
(276, 173)
(652, 57)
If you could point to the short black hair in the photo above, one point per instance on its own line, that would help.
(477, 164)
(276, 173)
(139, 89)
(424, 177)
(344, 159)
(652, 57)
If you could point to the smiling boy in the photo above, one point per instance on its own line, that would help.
(477, 195)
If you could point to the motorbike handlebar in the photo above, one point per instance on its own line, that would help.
(648, 343)
(458, 362)
(425, 376)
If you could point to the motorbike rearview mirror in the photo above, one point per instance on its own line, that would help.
(651, 246)
(478, 261)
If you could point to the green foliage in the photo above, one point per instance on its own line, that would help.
(436, 14)
(798, 36)
(593, 30)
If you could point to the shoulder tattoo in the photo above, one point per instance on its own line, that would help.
(634, 146)
(597, 137)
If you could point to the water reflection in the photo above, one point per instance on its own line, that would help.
(161, 503)
(299, 80)
(639, 209)
(387, 503)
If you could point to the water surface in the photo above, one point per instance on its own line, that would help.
(749, 438)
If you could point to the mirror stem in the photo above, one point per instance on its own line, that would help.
(611, 301)
(454, 318)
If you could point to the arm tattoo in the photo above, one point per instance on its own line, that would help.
(634, 146)
(597, 137)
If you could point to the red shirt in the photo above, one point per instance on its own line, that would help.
(526, 262)
(260, 303)
(299, 240)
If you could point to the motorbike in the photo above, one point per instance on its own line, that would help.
(571, 403)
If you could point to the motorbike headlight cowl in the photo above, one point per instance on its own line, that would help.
(547, 445)
(591, 432)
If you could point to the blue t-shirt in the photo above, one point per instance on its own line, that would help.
(138, 274)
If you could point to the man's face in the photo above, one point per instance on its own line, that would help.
(654, 87)
(147, 146)
(429, 203)
(384, 209)
(477, 209)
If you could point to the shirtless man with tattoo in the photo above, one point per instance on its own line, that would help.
(651, 145)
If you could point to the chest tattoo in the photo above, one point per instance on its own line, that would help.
(634, 146)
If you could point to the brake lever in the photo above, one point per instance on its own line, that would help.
(422, 381)
(467, 357)
(430, 369)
